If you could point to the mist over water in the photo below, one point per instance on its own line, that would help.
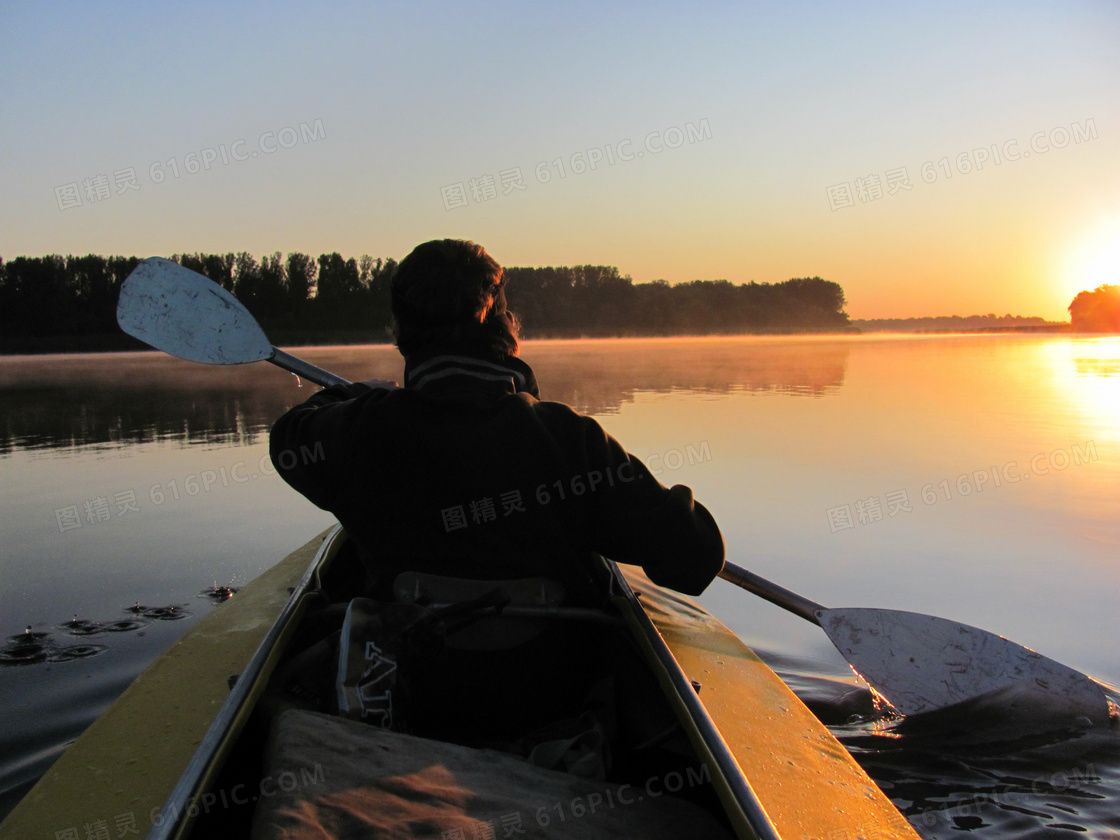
(128, 398)
(971, 477)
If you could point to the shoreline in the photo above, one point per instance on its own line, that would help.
(123, 343)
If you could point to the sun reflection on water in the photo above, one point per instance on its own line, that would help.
(1088, 372)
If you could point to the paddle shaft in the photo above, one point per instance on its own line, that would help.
(305, 369)
(773, 593)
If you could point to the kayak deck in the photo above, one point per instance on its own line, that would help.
(776, 770)
(807, 782)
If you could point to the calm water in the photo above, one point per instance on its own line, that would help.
(974, 478)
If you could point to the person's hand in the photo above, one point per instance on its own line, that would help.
(385, 384)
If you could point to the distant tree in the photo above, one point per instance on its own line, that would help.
(338, 299)
(381, 277)
(219, 268)
(607, 297)
(192, 261)
(38, 297)
(273, 288)
(338, 278)
(378, 286)
(120, 268)
(818, 303)
(97, 297)
(302, 271)
(1096, 311)
(365, 268)
(247, 281)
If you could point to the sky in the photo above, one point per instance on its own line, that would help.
(932, 158)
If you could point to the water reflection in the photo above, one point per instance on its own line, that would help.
(599, 377)
(1089, 372)
(67, 401)
(61, 402)
(1097, 367)
(1096, 356)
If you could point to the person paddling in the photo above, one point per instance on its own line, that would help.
(467, 473)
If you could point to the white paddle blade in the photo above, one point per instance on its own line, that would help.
(180, 312)
(921, 663)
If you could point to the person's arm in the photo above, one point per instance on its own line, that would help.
(306, 442)
(637, 520)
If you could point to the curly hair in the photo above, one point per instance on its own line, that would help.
(450, 291)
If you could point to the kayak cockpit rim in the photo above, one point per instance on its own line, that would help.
(735, 792)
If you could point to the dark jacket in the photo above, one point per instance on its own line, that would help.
(465, 472)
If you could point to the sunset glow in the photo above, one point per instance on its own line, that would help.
(1093, 258)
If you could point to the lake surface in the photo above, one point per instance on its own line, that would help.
(975, 478)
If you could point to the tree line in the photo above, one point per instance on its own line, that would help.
(953, 323)
(594, 300)
(297, 296)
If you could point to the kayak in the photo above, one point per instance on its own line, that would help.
(705, 739)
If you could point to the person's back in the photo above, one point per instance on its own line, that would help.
(464, 471)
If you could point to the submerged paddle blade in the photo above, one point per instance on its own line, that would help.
(180, 312)
(922, 663)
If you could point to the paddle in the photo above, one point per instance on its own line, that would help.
(183, 313)
(920, 663)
